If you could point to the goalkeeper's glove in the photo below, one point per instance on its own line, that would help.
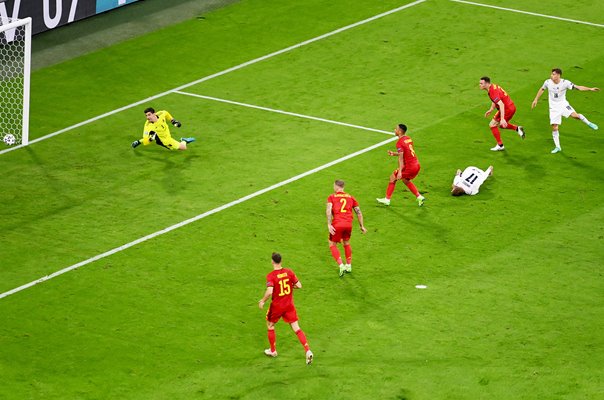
(176, 123)
(151, 136)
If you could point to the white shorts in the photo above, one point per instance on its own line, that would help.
(558, 111)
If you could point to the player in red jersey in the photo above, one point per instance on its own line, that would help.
(408, 166)
(505, 111)
(339, 224)
(280, 285)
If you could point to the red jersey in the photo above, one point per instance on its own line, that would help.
(341, 208)
(405, 145)
(282, 281)
(497, 93)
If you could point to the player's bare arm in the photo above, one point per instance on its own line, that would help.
(586, 88)
(502, 121)
(490, 110)
(539, 93)
(392, 153)
(267, 295)
(359, 214)
(297, 285)
(401, 165)
(329, 215)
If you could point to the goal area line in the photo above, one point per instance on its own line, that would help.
(194, 219)
(223, 72)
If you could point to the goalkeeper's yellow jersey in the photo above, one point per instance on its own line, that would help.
(160, 127)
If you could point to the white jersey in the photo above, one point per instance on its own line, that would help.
(470, 180)
(557, 92)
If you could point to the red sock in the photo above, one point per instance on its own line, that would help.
(512, 127)
(272, 339)
(412, 188)
(497, 135)
(348, 253)
(302, 339)
(336, 254)
(390, 189)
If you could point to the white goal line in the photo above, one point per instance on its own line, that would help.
(224, 72)
(237, 103)
(530, 13)
(194, 219)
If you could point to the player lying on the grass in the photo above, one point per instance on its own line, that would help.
(558, 105)
(408, 166)
(340, 206)
(280, 285)
(469, 181)
(156, 130)
(505, 111)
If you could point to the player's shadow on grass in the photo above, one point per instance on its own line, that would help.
(175, 163)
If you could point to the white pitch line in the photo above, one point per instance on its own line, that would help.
(529, 13)
(224, 72)
(329, 121)
(191, 220)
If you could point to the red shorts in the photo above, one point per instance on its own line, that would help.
(342, 233)
(509, 114)
(409, 172)
(288, 314)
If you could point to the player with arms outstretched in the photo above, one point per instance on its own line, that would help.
(558, 105)
(505, 111)
(340, 206)
(408, 166)
(280, 285)
(156, 129)
(469, 181)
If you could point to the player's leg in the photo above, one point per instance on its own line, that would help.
(583, 119)
(494, 126)
(272, 337)
(413, 189)
(302, 338)
(389, 190)
(348, 253)
(556, 138)
(335, 252)
(184, 141)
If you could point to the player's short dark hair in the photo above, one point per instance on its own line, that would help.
(339, 183)
(403, 127)
(457, 191)
(150, 109)
(486, 79)
(557, 70)
(276, 258)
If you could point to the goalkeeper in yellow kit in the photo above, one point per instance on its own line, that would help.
(156, 130)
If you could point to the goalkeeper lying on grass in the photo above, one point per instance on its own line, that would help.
(156, 129)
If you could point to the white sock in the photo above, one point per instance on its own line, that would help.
(556, 136)
(585, 120)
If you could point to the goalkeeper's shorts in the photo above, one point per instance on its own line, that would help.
(168, 143)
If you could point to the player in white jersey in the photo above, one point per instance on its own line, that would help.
(469, 181)
(558, 105)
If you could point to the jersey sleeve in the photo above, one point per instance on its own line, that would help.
(544, 86)
(167, 116)
(269, 281)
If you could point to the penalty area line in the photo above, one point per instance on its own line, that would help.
(529, 13)
(329, 121)
(217, 74)
(194, 219)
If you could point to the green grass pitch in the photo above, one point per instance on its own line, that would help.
(514, 306)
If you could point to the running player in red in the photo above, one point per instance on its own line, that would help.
(505, 111)
(408, 166)
(280, 285)
(339, 223)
